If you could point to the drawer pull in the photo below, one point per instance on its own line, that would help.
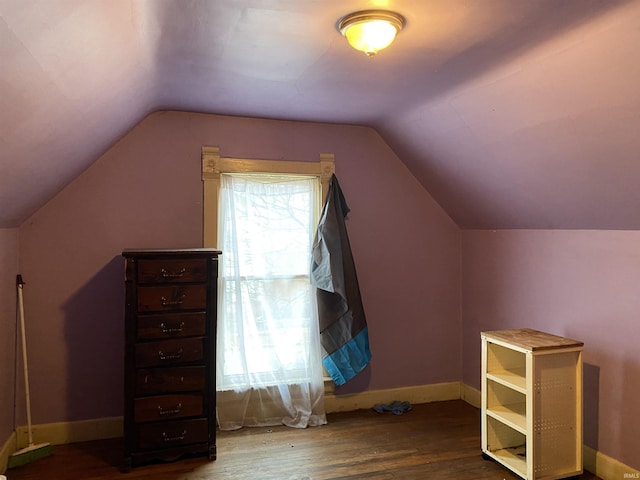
(170, 303)
(179, 438)
(168, 275)
(172, 411)
(147, 379)
(173, 356)
(178, 329)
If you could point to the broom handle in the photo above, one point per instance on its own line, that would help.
(20, 285)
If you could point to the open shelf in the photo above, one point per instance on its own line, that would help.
(513, 458)
(531, 402)
(513, 415)
(507, 405)
(514, 378)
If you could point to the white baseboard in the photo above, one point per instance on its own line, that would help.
(112, 427)
(69, 432)
(419, 394)
(596, 462)
(471, 395)
(5, 452)
(606, 467)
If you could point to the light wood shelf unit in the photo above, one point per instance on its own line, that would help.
(531, 417)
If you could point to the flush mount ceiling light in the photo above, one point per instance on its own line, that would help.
(371, 30)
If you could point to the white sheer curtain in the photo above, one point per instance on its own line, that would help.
(269, 367)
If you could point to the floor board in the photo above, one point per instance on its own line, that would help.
(438, 440)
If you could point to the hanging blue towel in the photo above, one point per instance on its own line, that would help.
(343, 327)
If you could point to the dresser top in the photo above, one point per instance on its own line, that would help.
(167, 252)
(532, 339)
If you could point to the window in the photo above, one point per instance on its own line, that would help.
(263, 214)
(268, 319)
(213, 165)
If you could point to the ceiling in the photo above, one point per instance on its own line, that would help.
(511, 113)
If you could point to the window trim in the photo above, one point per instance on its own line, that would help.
(213, 165)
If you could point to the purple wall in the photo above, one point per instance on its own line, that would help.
(580, 284)
(146, 191)
(8, 272)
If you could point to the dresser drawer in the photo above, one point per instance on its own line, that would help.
(171, 325)
(169, 352)
(171, 434)
(167, 407)
(169, 379)
(164, 298)
(172, 270)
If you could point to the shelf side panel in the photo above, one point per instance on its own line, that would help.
(557, 419)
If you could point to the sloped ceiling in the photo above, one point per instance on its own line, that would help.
(513, 114)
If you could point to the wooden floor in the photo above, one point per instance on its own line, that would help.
(433, 441)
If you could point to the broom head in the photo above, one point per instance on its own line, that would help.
(29, 454)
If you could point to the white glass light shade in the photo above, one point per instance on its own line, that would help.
(370, 31)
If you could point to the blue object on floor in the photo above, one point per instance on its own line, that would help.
(396, 407)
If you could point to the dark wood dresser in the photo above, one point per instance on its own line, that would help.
(170, 352)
